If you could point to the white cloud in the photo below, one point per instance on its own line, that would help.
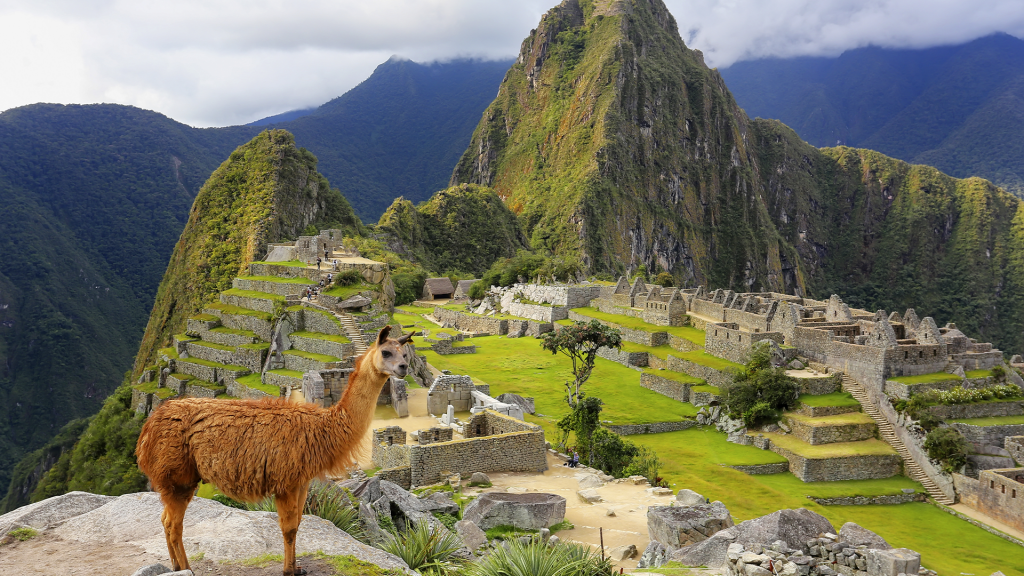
(219, 62)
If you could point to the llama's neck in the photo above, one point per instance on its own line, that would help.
(352, 415)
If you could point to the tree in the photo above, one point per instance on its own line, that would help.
(947, 446)
(664, 280)
(584, 419)
(580, 342)
(760, 391)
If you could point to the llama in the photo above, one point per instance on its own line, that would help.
(253, 448)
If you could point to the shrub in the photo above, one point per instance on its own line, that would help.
(947, 446)
(229, 501)
(929, 421)
(664, 280)
(998, 373)
(408, 286)
(447, 519)
(760, 391)
(613, 453)
(328, 501)
(539, 559)
(424, 549)
(349, 277)
(645, 463)
(23, 534)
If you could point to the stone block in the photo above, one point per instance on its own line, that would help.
(472, 536)
(687, 497)
(533, 510)
(892, 562)
(679, 526)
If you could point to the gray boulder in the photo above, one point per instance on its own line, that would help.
(472, 536)
(892, 562)
(794, 527)
(859, 536)
(356, 301)
(479, 478)
(152, 570)
(526, 404)
(978, 462)
(589, 496)
(440, 502)
(654, 556)
(621, 553)
(589, 481)
(221, 532)
(52, 511)
(679, 526)
(404, 507)
(689, 498)
(529, 510)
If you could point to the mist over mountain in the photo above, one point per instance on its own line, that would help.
(958, 108)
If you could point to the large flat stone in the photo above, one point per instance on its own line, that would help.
(51, 511)
(679, 526)
(221, 532)
(529, 510)
(857, 535)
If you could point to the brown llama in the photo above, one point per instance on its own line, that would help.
(250, 449)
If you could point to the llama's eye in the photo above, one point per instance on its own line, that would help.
(386, 354)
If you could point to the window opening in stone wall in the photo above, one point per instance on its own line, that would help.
(992, 484)
(920, 354)
(1014, 494)
(906, 355)
(1003, 486)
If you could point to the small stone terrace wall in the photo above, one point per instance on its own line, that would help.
(471, 322)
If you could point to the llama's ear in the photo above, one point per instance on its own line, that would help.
(406, 338)
(382, 337)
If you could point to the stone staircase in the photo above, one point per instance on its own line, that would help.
(888, 434)
(355, 334)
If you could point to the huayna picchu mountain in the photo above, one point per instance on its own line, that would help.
(614, 142)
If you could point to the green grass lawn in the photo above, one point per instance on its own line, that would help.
(687, 332)
(991, 420)
(254, 294)
(870, 447)
(698, 458)
(836, 420)
(520, 365)
(707, 388)
(312, 356)
(346, 291)
(833, 399)
(978, 373)
(287, 372)
(659, 351)
(704, 359)
(287, 263)
(253, 381)
(925, 378)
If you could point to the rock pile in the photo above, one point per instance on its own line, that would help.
(825, 556)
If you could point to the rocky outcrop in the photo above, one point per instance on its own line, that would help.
(860, 536)
(52, 511)
(529, 510)
(679, 526)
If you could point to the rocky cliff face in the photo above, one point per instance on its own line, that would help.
(464, 228)
(266, 191)
(614, 142)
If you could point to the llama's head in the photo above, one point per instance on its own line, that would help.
(388, 354)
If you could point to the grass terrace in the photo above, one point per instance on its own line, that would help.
(840, 399)
(707, 388)
(287, 372)
(151, 388)
(312, 356)
(287, 263)
(870, 447)
(254, 294)
(927, 378)
(678, 377)
(520, 365)
(237, 310)
(835, 420)
(321, 336)
(280, 280)
(253, 381)
(991, 420)
(210, 364)
(979, 373)
(688, 332)
(656, 351)
(213, 345)
(704, 359)
(204, 317)
(170, 352)
(349, 291)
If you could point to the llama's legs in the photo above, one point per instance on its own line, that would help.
(289, 514)
(175, 503)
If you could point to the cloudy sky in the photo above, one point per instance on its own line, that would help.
(222, 62)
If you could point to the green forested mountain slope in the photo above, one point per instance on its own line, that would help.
(267, 190)
(462, 229)
(614, 142)
(93, 198)
(958, 108)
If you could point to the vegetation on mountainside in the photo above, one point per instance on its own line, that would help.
(951, 107)
(31, 469)
(266, 191)
(527, 266)
(462, 229)
(948, 447)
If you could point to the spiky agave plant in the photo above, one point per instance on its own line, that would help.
(539, 559)
(328, 501)
(426, 549)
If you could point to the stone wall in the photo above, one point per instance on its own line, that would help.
(651, 428)
(682, 344)
(708, 309)
(995, 494)
(609, 306)
(196, 390)
(763, 469)
(262, 328)
(872, 500)
(279, 288)
(446, 347)
(320, 346)
(904, 391)
(471, 322)
(727, 341)
(258, 304)
(401, 475)
(819, 411)
(536, 312)
(513, 452)
(825, 384)
(434, 435)
(561, 296)
(244, 392)
(666, 386)
(988, 435)
(628, 334)
(1015, 446)
(834, 469)
(491, 423)
(454, 390)
(314, 320)
(623, 357)
(520, 328)
(977, 410)
(710, 375)
(831, 434)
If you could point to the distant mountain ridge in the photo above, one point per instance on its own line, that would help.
(958, 108)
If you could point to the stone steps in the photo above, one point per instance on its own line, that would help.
(888, 434)
(355, 334)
